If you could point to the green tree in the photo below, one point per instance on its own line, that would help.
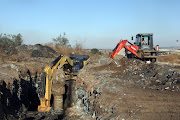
(94, 51)
(11, 40)
(17, 39)
(61, 40)
(6, 39)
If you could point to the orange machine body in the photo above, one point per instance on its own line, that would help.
(122, 44)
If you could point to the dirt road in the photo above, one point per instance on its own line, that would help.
(145, 104)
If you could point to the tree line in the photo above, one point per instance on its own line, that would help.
(16, 40)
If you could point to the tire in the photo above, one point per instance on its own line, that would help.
(153, 60)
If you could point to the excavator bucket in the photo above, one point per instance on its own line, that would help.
(45, 101)
(44, 105)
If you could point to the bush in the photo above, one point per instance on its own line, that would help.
(101, 53)
(9, 42)
(62, 40)
(94, 51)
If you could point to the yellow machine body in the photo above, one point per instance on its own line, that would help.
(57, 64)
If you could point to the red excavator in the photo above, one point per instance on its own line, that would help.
(142, 48)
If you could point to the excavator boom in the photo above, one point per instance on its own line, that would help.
(122, 44)
(118, 47)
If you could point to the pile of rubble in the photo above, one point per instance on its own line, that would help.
(90, 87)
(26, 52)
(153, 76)
(37, 50)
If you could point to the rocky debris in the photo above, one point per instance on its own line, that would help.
(5, 102)
(90, 92)
(98, 87)
(18, 98)
(95, 103)
(104, 61)
(37, 50)
(25, 53)
(135, 71)
(152, 75)
(6, 49)
(13, 66)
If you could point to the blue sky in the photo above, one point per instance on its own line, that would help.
(94, 23)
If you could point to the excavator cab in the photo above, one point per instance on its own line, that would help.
(146, 50)
(144, 41)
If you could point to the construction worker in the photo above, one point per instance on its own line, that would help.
(143, 42)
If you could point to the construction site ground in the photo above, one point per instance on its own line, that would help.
(134, 90)
(128, 90)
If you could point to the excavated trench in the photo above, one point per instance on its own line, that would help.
(20, 99)
(17, 99)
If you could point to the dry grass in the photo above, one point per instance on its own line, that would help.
(19, 57)
(171, 58)
(63, 50)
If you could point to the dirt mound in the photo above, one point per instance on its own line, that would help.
(8, 50)
(124, 63)
(25, 52)
(153, 76)
(37, 50)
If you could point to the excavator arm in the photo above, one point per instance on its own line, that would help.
(56, 64)
(122, 44)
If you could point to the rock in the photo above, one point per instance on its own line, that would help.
(104, 61)
(12, 66)
(166, 88)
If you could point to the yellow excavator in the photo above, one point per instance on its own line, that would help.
(62, 68)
